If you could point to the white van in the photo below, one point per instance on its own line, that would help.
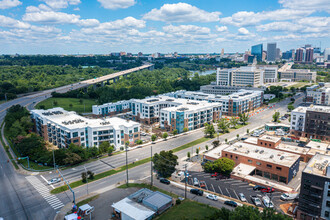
(267, 202)
(289, 196)
(196, 183)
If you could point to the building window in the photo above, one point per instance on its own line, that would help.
(269, 166)
(258, 163)
(261, 143)
(75, 134)
(95, 138)
(267, 175)
(236, 157)
(136, 129)
(259, 172)
(265, 144)
(278, 168)
(282, 179)
(250, 161)
(94, 132)
(81, 133)
(326, 214)
(328, 203)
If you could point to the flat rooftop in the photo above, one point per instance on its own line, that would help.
(270, 138)
(251, 140)
(71, 120)
(263, 154)
(318, 145)
(193, 106)
(277, 124)
(216, 152)
(292, 148)
(243, 169)
(317, 165)
(314, 108)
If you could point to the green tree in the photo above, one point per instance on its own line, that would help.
(110, 150)
(185, 130)
(290, 107)
(153, 138)
(175, 132)
(197, 151)
(243, 118)
(104, 147)
(223, 125)
(188, 154)
(72, 158)
(209, 130)
(222, 165)
(233, 122)
(276, 117)
(139, 142)
(247, 131)
(90, 175)
(165, 163)
(84, 177)
(215, 143)
(165, 135)
(207, 147)
(237, 136)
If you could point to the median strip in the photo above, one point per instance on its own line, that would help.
(122, 168)
(6, 147)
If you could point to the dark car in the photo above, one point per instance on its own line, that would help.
(196, 191)
(243, 139)
(221, 177)
(257, 187)
(231, 203)
(165, 181)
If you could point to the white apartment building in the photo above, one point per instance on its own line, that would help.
(239, 102)
(295, 75)
(112, 108)
(319, 96)
(298, 117)
(62, 128)
(191, 115)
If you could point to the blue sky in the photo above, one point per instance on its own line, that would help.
(191, 26)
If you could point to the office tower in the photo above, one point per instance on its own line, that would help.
(256, 50)
(309, 55)
(271, 52)
(264, 55)
(287, 55)
(293, 53)
(326, 54)
(278, 53)
(222, 52)
(299, 55)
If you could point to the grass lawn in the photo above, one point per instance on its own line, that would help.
(143, 185)
(85, 106)
(188, 210)
(87, 200)
(193, 143)
(300, 84)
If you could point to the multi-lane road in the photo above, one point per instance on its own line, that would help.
(27, 197)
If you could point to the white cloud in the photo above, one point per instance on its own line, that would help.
(181, 12)
(116, 4)
(76, 9)
(249, 18)
(58, 4)
(221, 29)
(319, 5)
(243, 31)
(4, 4)
(40, 7)
(51, 17)
(186, 29)
(88, 23)
(13, 23)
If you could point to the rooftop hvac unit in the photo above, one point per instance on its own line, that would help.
(262, 151)
(247, 151)
(235, 149)
(240, 146)
(282, 157)
(256, 151)
(271, 156)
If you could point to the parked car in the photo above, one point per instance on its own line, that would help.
(143, 134)
(243, 139)
(268, 190)
(165, 181)
(196, 182)
(202, 184)
(267, 202)
(212, 197)
(289, 196)
(258, 187)
(231, 203)
(215, 174)
(54, 180)
(197, 192)
(242, 197)
(256, 200)
(220, 177)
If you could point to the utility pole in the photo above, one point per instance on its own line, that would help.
(86, 178)
(151, 167)
(126, 166)
(54, 160)
(185, 185)
(67, 183)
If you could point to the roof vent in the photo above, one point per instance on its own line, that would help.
(282, 157)
(240, 146)
(256, 151)
(247, 151)
(271, 156)
(262, 151)
(235, 149)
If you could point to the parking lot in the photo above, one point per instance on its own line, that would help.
(231, 188)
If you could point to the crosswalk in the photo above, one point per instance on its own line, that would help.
(52, 200)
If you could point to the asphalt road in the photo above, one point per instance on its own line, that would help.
(21, 199)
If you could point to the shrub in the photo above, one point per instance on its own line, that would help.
(178, 202)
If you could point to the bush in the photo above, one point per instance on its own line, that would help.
(139, 142)
(177, 202)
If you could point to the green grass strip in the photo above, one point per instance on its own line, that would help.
(85, 201)
(7, 150)
(122, 168)
(148, 186)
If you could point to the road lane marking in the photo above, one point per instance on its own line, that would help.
(51, 185)
(228, 193)
(213, 187)
(235, 194)
(220, 190)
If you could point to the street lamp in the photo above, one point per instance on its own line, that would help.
(86, 178)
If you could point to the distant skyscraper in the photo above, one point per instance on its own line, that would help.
(299, 55)
(309, 55)
(278, 53)
(264, 55)
(327, 54)
(256, 50)
(287, 55)
(140, 54)
(222, 52)
(271, 52)
(293, 53)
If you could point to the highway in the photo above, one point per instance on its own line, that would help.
(21, 199)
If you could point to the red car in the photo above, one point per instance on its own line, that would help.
(215, 174)
(268, 190)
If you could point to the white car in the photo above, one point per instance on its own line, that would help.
(54, 180)
(289, 196)
(212, 197)
(242, 197)
(267, 202)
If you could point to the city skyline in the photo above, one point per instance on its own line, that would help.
(104, 26)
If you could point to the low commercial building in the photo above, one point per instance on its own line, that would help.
(61, 128)
(191, 115)
(269, 141)
(295, 75)
(232, 105)
(314, 198)
(214, 154)
(275, 126)
(311, 122)
(142, 205)
(269, 163)
(225, 90)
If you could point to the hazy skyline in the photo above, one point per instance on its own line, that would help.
(192, 26)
